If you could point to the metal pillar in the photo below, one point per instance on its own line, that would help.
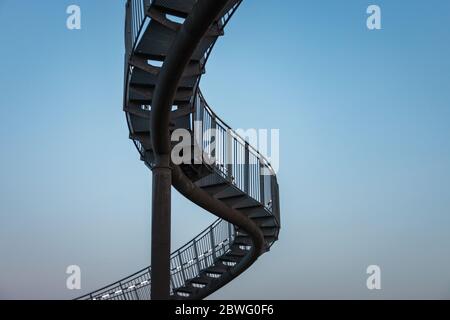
(161, 224)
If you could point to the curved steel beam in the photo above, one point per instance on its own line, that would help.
(191, 33)
(188, 189)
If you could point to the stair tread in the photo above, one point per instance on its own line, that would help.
(186, 289)
(217, 269)
(180, 7)
(230, 258)
(201, 280)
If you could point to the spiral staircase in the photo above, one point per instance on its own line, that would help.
(232, 181)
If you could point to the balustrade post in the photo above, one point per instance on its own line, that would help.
(214, 134)
(230, 231)
(182, 268)
(147, 4)
(196, 256)
(247, 169)
(261, 182)
(128, 36)
(213, 246)
(229, 157)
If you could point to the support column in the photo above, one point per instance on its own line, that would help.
(161, 229)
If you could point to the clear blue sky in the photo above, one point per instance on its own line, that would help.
(365, 147)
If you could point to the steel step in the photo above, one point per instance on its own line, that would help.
(215, 188)
(143, 78)
(158, 15)
(265, 222)
(144, 95)
(202, 279)
(230, 258)
(265, 231)
(157, 40)
(234, 200)
(217, 269)
(237, 252)
(243, 240)
(186, 289)
(141, 62)
(180, 8)
(257, 211)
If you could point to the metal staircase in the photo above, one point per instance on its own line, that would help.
(239, 186)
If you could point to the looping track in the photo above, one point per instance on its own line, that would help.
(168, 43)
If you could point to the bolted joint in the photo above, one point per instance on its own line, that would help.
(162, 161)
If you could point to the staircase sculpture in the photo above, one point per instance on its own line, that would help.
(240, 186)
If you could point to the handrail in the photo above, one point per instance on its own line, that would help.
(135, 22)
(215, 116)
(222, 23)
(186, 263)
(234, 158)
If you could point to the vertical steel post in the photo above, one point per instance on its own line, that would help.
(183, 272)
(229, 157)
(147, 4)
(247, 169)
(213, 246)
(161, 219)
(261, 183)
(214, 130)
(197, 256)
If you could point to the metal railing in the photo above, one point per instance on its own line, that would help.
(201, 253)
(223, 21)
(134, 22)
(186, 263)
(234, 158)
(136, 19)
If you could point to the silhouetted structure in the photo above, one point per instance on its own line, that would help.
(168, 43)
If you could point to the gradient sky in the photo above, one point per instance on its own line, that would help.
(365, 147)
